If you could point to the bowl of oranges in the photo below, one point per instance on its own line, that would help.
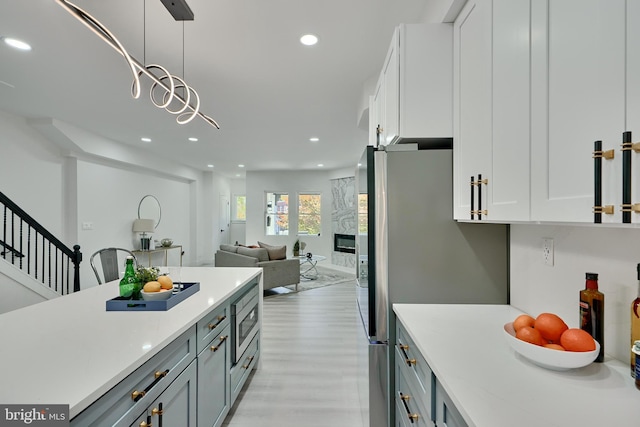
(548, 342)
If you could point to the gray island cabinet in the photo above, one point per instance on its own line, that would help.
(170, 368)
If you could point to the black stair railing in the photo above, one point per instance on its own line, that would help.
(28, 245)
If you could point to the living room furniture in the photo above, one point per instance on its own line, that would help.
(275, 273)
(111, 266)
(311, 272)
(160, 249)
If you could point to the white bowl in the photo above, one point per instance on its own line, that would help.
(556, 360)
(161, 295)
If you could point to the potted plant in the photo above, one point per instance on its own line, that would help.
(296, 248)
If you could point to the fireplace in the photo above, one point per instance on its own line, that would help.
(344, 243)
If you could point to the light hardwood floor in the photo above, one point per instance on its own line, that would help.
(310, 372)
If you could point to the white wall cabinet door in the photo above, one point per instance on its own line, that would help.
(472, 102)
(577, 97)
(391, 88)
(508, 197)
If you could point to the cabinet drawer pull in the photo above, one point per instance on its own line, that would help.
(414, 417)
(403, 347)
(215, 348)
(250, 359)
(137, 395)
(411, 362)
(156, 411)
(146, 423)
(212, 326)
(405, 398)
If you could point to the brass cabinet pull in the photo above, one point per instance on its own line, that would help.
(217, 347)
(411, 362)
(146, 423)
(156, 411)
(160, 374)
(248, 364)
(137, 394)
(405, 397)
(215, 325)
(404, 347)
(414, 417)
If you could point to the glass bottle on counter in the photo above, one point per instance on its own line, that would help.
(129, 285)
(635, 324)
(635, 349)
(592, 311)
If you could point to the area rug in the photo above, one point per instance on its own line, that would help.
(326, 277)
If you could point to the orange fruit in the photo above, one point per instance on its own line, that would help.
(550, 326)
(530, 335)
(554, 347)
(575, 339)
(165, 282)
(523, 320)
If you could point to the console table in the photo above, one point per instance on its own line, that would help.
(161, 249)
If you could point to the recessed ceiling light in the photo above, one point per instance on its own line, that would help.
(320, 165)
(145, 139)
(192, 139)
(240, 166)
(314, 139)
(17, 44)
(238, 175)
(309, 39)
(209, 166)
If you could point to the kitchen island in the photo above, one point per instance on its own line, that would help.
(70, 350)
(492, 386)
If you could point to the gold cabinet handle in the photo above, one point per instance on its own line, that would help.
(145, 424)
(405, 397)
(156, 411)
(414, 417)
(411, 362)
(214, 325)
(217, 347)
(160, 374)
(137, 394)
(248, 364)
(404, 347)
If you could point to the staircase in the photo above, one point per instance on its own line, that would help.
(39, 256)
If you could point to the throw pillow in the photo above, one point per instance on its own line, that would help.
(275, 252)
(259, 253)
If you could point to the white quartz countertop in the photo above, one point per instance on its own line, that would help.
(492, 386)
(70, 350)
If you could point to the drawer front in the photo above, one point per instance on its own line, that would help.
(411, 409)
(446, 413)
(124, 402)
(417, 369)
(241, 370)
(210, 326)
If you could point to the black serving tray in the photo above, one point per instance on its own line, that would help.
(123, 304)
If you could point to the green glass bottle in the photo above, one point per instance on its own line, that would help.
(129, 285)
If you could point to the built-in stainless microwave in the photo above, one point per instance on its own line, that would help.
(245, 321)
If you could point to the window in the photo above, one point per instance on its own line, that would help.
(239, 208)
(363, 211)
(309, 214)
(277, 217)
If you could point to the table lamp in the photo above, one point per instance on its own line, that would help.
(143, 226)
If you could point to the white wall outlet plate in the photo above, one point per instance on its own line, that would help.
(547, 251)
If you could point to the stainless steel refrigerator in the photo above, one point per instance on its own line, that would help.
(410, 250)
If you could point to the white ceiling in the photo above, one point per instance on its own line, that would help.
(268, 92)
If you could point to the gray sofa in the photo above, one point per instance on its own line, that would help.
(275, 273)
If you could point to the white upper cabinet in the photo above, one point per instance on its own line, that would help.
(577, 97)
(491, 110)
(633, 96)
(414, 93)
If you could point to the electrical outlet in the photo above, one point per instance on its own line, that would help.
(547, 251)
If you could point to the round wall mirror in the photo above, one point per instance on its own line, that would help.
(149, 208)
